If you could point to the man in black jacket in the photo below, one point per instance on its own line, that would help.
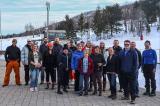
(117, 49)
(133, 46)
(13, 58)
(43, 48)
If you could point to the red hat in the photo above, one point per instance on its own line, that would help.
(50, 44)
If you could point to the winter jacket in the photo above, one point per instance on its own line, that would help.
(128, 61)
(43, 48)
(75, 59)
(112, 64)
(31, 59)
(139, 58)
(12, 53)
(98, 58)
(90, 67)
(57, 48)
(49, 60)
(64, 61)
(149, 57)
(24, 54)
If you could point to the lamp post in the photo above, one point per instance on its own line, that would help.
(48, 9)
(0, 30)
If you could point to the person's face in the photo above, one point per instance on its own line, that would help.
(50, 47)
(86, 55)
(126, 45)
(56, 40)
(133, 45)
(88, 44)
(65, 51)
(116, 43)
(45, 40)
(14, 42)
(69, 45)
(29, 43)
(102, 45)
(83, 44)
(147, 45)
(35, 48)
(79, 47)
(110, 51)
(97, 50)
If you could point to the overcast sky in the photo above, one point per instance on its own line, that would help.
(17, 13)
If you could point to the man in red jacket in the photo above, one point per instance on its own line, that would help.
(85, 68)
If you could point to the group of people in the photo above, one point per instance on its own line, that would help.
(87, 64)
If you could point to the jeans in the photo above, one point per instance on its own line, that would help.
(112, 82)
(34, 77)
(83, 83)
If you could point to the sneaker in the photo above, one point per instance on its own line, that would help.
(65, 90)
(132, 102)
(41, 83)
(114, 97)
(36, 89)
(152, 94)
(60, 92)
(86, 93)
(4, 85)
(110, 96)
(125, 98)
(80, 94)
(94, 93)
(146, 93)
(72, 82)
(32, 89)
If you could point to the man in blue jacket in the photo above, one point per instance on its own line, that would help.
(149, 62)
(128, 68)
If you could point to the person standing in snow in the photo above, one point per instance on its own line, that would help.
(149, 62)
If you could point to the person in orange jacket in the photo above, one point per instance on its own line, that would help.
(12, 58)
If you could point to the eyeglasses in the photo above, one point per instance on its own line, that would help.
(126, 44)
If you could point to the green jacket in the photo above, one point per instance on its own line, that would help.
(31, 58)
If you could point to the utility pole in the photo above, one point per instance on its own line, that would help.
(1, 29)
(48, 9)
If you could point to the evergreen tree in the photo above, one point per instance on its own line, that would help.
(81, 23)
(98, 26)
(69, 27)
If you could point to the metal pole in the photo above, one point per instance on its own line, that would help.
(0, 30)
(48, 9)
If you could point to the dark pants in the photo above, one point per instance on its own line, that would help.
(76, 85)
(112, 82)
(63, 77)
(42, 75)
(91, 82)
(104, 79)
(26, 69)
(149, 76)
(50, 72)
(129, 84)
(97, 76)
(84, 83)
(120, 81)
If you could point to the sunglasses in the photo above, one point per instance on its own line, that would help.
(126, 44)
